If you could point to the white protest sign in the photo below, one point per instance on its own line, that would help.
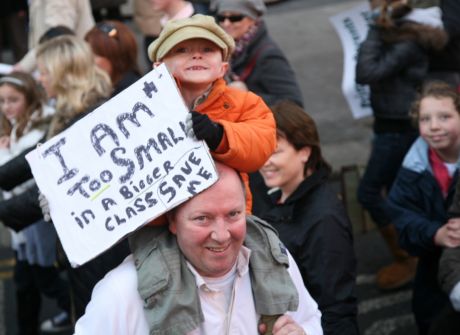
(352, 27)
(120, 166)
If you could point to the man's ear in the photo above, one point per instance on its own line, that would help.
(171, 223)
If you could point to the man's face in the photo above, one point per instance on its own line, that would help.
(211, 227)
(196, 63)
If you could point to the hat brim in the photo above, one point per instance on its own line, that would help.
(188, 33)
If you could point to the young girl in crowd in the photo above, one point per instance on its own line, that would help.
(310, 219)
(423, 191)
(24, 120)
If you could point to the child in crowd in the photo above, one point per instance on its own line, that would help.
(423, 191)
(24, 120)
(237, 126)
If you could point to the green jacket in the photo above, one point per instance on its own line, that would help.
(168, 289)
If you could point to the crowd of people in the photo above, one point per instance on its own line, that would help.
(268, 248)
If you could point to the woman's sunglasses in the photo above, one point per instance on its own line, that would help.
(231, 18)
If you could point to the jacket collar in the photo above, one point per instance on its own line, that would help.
(218, 88)
(306, 186)
(417, 158)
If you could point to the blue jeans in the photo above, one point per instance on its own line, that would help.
(387, 153)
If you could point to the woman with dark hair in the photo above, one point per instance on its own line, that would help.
(310, 218)
(115, 48)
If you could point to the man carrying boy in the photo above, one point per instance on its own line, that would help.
(209, 230)
(240, 132)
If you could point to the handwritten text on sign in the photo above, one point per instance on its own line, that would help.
(120, 166)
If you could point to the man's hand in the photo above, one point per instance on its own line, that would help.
(449, 234)
(204, 129)
(285, 325)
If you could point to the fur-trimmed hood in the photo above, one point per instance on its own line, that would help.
(427, 36)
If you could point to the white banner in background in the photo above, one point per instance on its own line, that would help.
(352, 27)
(122, 165)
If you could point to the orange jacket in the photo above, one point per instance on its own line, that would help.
(249, 131)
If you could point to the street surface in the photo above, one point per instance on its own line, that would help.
(302, 29)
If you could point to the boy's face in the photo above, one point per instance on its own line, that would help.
(196, 62)
(439, 125)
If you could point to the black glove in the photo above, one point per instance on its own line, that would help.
(207, 130)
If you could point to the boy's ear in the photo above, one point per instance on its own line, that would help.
(224, 68)
(156, 64)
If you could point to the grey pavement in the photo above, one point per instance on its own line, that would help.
(302, 29)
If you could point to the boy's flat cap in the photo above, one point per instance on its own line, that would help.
(197, 26)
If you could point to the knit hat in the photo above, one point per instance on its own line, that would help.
(250, 8)
(197, 26)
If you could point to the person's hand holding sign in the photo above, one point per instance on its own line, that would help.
(201, 127)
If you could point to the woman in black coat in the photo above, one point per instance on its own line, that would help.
(257, 64)
(310, 218)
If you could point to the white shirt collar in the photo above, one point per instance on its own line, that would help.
(241, 268)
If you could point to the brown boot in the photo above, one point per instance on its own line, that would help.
(402, 270)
